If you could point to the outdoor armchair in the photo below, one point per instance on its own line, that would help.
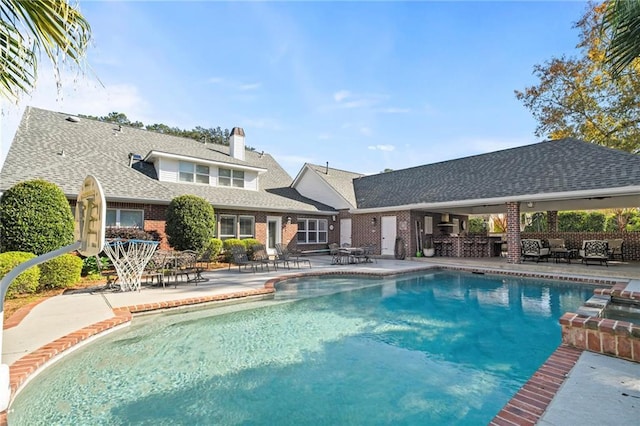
(533, 249)
(595, 251)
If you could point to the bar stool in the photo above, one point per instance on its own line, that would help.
(447, 248)
(483, 247)
(467, 248)
(437, 245)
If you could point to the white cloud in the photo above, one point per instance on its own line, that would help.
(393, 110)
(366, 131)
(382, 147)
(341, 95)
(249, 86)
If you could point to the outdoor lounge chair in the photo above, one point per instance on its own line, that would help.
(239, 257)
(595, 251)
(615, 248)
(286, 257)
(533, 249)
(260, 256)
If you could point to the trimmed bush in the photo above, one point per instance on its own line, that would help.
(26, 282)
(35, 217)
(214, 247)
(248, 244)
(90, 265)
(190, 223)
(227, 244)
(60, 272)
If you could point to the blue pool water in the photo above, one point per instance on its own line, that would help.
(441, 348)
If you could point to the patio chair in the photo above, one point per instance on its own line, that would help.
(285, 256)
(260, 256)
(615, 248)
(334, 251)
(239, 257)
(533, 249)
(595, 251)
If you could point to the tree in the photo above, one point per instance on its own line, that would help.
(621, 21)
(577, 97)
(28, 28)
(190, 223)
(35, 217)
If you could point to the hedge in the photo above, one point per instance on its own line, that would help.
(26, 282)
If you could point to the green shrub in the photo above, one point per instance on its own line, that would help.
(60, 272)
(227, 244)
(190, 223)
(248, 245)
(90, 265)
(214, 248)
(477, 225)
(26, 282)
(35, 217)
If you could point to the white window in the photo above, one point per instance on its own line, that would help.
(312, 231)
(190, 172)
(247, 227)
(232, 226)
(228, 177)
(227, 227)
(122, 218)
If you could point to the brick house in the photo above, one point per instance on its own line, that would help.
(142, 171)
(436, 199)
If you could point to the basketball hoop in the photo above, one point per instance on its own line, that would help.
(129, 258)
(89, 236)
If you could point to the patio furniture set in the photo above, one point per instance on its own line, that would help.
(260, 258)
(346, 254)
(600, 251)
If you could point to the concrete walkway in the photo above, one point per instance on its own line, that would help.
(591, 380)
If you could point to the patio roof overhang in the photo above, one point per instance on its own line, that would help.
(590, 199)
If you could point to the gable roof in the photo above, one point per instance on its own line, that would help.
(48, 146)
(341, 181)
(545, 168)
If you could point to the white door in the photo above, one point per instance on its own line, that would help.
(274, 235)
(388, 235)
(345, 231)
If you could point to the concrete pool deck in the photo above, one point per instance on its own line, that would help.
(67, 321)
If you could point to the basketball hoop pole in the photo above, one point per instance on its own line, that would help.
(89, 235)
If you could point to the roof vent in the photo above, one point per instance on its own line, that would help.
(73, 119)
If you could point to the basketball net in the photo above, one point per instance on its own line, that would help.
(129, 258)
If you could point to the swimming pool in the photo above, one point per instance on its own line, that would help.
(439, 348)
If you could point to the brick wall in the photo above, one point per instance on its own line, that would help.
(573, 240)
(513, 233)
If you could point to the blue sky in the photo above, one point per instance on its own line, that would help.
(364, 86)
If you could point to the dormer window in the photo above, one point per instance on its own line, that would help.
(190, 172)
(229, 177)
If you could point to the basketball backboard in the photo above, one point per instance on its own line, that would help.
(90, 217)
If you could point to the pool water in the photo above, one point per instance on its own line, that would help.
(441, 348)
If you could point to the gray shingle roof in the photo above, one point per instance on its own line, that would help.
(340, 180)
(546, 167)
(94, 147)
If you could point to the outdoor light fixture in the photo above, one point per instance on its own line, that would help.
(288, 220)
(333, 218)
(374, 221)
(530, 204)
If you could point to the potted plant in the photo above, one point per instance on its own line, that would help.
(428, 249)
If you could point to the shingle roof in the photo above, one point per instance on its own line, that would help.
(340, 180)
(546, 167)
(98, 148)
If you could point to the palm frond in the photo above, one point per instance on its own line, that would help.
(621, 23)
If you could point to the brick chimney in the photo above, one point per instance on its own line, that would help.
(236, 143)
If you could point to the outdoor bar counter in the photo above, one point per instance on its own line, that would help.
(467, 245)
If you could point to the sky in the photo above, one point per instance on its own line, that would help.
(364, 86)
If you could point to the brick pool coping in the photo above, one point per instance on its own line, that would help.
(22, 370)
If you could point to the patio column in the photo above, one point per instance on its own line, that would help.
(552, 221)
(513, 232)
